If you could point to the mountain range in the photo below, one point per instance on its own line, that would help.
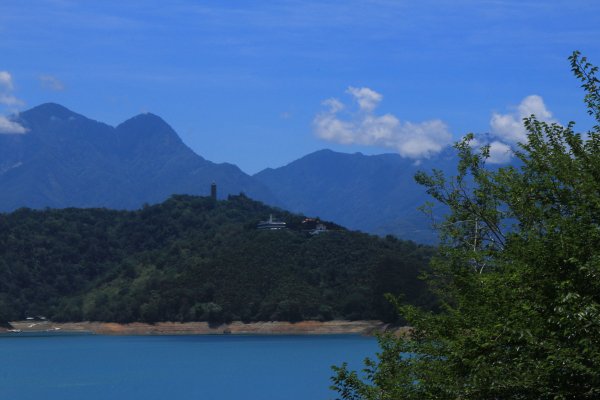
(375, 194)
(67, 160)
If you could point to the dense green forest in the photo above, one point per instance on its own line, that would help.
(191, 258)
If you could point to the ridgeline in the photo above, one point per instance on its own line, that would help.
(196, 259)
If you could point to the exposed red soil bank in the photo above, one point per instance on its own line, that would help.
(204, 328)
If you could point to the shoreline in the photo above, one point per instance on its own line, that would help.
(335, 327)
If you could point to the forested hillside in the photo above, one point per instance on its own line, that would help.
(191, 258)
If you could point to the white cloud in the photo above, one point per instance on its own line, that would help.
(8, 127)
(6, 88)
(52, 83)
(364, 127)
(334, 105)
(500, 153)
(6, 82)
(367, 99)
(7, 99)
(509, 128)
(329, 127)
(10, 100)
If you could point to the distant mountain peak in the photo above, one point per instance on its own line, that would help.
(147, 116)
(147, 128)
(49, 110)
(146, 121)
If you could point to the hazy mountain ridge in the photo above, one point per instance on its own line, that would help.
(68, 160)
(376, 194)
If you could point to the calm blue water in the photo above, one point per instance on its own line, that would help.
(175, 367)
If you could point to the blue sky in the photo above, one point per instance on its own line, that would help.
(260, 84)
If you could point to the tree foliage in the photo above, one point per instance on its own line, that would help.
(517, 275)
(191, 259)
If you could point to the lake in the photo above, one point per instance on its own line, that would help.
(89, 367)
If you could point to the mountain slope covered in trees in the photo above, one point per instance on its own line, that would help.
(191, 258)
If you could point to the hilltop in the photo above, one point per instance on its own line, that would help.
(195, 259)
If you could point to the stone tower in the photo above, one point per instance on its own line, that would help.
(213, 191)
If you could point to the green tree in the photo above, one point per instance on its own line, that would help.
(517, 277)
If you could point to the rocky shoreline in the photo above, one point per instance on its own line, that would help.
(204, 328)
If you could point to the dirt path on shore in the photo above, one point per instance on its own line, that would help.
(204, 328)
